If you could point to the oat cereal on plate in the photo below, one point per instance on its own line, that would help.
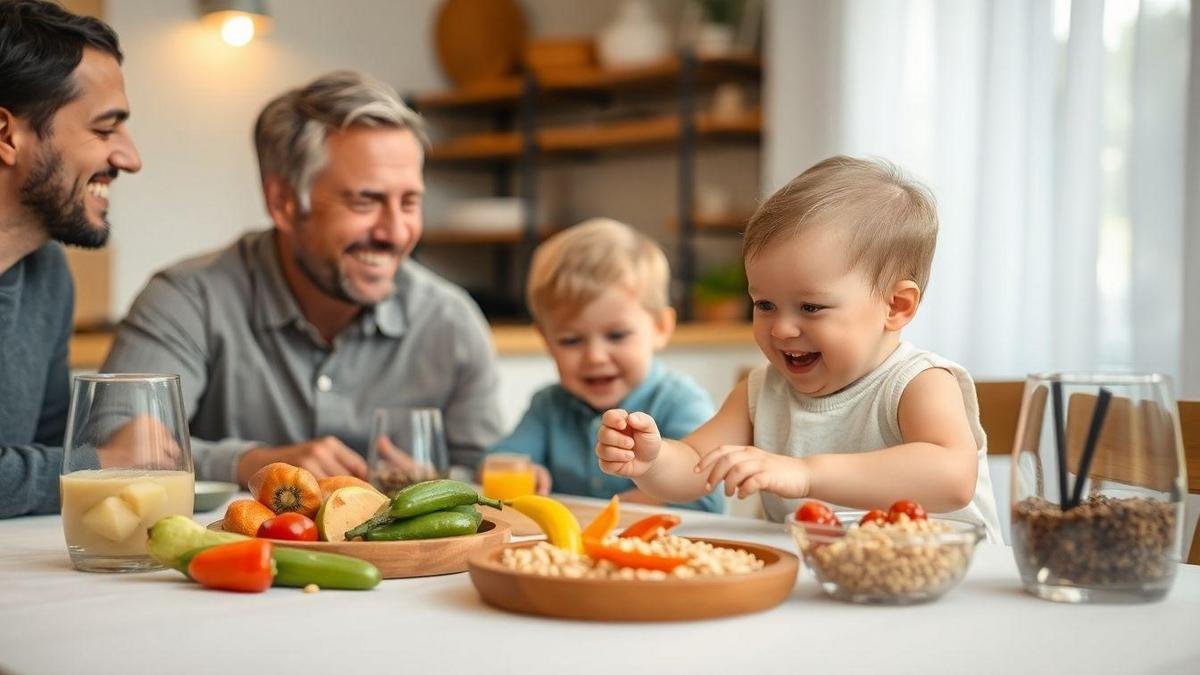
(703, 559)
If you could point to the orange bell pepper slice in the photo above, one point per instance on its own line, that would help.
(244, 566)
(647, 528)
(598, 551)
(605, 521)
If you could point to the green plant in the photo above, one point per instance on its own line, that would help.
(720, 11)
(721, 282)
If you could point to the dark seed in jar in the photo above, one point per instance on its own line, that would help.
(1102, 542)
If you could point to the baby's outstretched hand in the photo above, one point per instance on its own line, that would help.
(747, 470)
(627, 443)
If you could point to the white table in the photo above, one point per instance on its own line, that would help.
(54, 619)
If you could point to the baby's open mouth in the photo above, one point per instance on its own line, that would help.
(601, 381)
(801, 359)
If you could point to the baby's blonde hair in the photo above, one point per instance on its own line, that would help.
(575, 266)
(890, 220)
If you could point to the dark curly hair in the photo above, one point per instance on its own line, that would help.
(41, 44)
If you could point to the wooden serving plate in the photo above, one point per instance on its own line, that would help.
(415, 558)
(623, 600)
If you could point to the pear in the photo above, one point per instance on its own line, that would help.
(112, 519)
(347, 507)
(173, 536)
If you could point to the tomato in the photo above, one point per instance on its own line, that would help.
(876, 516)
(817, 513)
(241, 566)
(908, 507)
(291, 526)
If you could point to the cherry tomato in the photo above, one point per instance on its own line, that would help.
(876, 516)
(291, 526)
(908, 507)
(817, 513)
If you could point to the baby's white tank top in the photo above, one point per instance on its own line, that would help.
(860, 418)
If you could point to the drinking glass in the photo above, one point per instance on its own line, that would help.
(408, 446)
(127, 463)
(506, 476)
(1098, 487)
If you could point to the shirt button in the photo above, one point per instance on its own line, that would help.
(324, 383)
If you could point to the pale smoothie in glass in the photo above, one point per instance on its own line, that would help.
(106, 512)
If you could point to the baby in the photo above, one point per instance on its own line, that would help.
(837, 262)
(598, 293)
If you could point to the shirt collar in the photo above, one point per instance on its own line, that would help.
(274, 303)
(277, 307)
(388, 317)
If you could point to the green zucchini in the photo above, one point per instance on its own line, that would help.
(450, 523)
(299, 568)
(435, 495)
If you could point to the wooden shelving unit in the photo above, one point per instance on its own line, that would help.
(622, 135)
(507, 92)
(518, 143)
(450, 237)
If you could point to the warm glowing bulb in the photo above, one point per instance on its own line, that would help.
(237, 30)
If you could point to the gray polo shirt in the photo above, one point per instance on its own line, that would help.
(254, 371)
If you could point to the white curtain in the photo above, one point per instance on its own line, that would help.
(1053, 136)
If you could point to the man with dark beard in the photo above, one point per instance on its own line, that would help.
(287, 341)
(62, 142)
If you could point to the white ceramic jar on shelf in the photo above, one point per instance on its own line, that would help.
(635, 37)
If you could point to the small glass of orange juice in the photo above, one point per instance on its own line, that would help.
(506, 476)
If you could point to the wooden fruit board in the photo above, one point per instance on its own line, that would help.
(415, 558)
(627, 600)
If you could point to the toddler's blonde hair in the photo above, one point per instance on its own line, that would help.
(575, 266)
(890, 221)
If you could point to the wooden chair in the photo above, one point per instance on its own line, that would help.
(1189, 424)
(999, 408)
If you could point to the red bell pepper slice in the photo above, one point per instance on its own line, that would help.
(598, 551)
(647, 528)
(244, 566)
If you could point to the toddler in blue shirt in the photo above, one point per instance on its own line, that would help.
(598, 293)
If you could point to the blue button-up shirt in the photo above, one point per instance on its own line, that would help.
(559, 431)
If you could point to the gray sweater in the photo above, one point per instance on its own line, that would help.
(36, 307)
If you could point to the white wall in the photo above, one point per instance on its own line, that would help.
(194, 101)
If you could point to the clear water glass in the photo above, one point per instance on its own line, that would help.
(408, 445)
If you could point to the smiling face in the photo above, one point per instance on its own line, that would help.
(819, 325)
(365, 214)
(72, 168)
(604, 352)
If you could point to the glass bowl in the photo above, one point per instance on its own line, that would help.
(895, 564)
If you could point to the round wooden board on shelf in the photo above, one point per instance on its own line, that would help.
(622, 600)
(413, 558)
(479, 40)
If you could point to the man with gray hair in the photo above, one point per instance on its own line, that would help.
(288, 340)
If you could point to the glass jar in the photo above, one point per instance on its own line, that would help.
(1098, 487)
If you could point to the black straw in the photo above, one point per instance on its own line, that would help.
(1089, 448)
(1060, 445)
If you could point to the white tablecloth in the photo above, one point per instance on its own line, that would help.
(54, 619)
